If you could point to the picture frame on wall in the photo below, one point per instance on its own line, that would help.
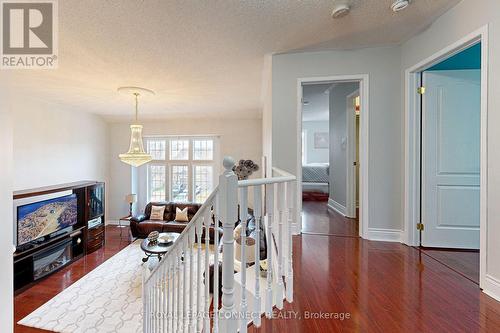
(321, 140)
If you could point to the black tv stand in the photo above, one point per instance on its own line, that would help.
(40, 258)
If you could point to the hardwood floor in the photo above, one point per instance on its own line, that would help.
(319, 219)
(464, 262)
(374, 286)
(382, 287)
(34, 297)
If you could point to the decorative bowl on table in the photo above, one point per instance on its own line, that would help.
(165, 239)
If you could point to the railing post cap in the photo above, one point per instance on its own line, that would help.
(228, 163)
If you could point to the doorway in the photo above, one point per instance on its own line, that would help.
(446, 156)
(332, 189)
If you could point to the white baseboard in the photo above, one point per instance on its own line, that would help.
(337, 207)
(492, 287)
(116, 222)
(384, 235)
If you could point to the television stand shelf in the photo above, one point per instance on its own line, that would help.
(47, 254)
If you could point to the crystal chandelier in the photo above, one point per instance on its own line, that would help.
(136, 156)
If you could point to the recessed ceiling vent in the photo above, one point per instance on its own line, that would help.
(399, 5)
(340, 10)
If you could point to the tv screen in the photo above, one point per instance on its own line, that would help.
(43, 218)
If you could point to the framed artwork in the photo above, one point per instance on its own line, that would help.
(321, 140)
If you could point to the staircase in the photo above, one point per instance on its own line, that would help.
(177, 293)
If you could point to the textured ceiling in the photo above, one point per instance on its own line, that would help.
(203, 58)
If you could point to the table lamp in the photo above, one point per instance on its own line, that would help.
(131, 199)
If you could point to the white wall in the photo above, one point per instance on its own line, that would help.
(385, 131)
(53, 145)
(461, 20)
(315, 155)
(6, 243)
(239, 138)
(338, 141)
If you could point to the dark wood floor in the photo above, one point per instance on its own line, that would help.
(382, 287)
(34, 297)
(319, 219)
(463, 262)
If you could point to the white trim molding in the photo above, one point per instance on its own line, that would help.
(492, 287)
(342, 210)
(116, 222)
(410, 235)
(384, 235)
(364, 89)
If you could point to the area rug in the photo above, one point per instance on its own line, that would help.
(108, 299)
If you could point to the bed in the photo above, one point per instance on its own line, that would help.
(316, 177)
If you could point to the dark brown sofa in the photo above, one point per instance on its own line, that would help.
(142, 225)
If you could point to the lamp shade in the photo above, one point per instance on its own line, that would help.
(136, 156)
(131, 198)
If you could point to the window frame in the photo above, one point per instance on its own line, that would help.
(190, 163)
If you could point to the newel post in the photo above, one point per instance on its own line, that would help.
(228, 195)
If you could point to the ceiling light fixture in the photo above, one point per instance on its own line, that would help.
(136, 156)
(340, 10)
(399, 5)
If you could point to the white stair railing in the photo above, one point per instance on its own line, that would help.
(176, 292)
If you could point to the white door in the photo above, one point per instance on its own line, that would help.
(451, 159)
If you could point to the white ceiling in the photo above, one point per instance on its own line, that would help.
(203, 58)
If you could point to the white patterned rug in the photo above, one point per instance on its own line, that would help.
(108, 299)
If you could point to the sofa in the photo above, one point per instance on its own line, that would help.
(142, 225)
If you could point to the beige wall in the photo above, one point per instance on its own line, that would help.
(239, 138)
(457, 23)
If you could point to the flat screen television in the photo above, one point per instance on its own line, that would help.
(42, 218)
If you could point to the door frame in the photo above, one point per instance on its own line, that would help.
(364, 89)
(413, 134)
(351, 157)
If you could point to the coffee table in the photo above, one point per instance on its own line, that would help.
(157, 249)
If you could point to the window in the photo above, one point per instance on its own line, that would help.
(183, 169)
(179, 150)
(203, 150)
(157, 176)
(180, 190)
(203, 182)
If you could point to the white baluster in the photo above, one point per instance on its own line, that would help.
(244, 220)
(145, 301)
(207, 221)
(216, 267)
(178, 309)
(290, 190)
(269, 238)
(228, 185)
(257, 211)
(281, 210)
(185, 283)
(169, 298)
(192, 288)
(199, 232)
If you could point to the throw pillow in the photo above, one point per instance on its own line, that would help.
(157, 213)
(181, 215)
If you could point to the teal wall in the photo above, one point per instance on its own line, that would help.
(469, 58)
